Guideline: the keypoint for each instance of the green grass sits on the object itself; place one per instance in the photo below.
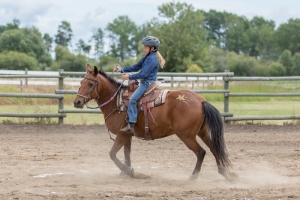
(240, 106)
(34, 109)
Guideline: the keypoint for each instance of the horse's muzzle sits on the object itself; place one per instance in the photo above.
(78, 104)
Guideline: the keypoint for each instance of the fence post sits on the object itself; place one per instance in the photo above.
(60, 101)
(226, 95)
(26, 80)
(172, 80)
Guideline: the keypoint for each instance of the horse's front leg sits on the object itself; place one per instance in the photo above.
(127, 151)
(120, 141)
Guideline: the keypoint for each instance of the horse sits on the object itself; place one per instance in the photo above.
(184, 113)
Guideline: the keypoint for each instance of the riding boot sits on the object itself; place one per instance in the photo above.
(129, 128)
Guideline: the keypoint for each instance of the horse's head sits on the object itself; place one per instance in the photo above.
(88, 87)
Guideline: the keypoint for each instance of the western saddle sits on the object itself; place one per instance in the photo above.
(152, 97)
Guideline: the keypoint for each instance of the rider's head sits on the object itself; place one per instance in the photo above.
(150, 44)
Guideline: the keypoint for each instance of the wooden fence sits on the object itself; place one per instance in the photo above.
(60, 92)
(226, 76)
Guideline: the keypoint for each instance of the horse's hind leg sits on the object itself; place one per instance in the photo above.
(204, 135)
(120, 141)
(193, 145)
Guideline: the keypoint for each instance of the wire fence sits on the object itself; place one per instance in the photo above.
(248, 100)
(50, 85)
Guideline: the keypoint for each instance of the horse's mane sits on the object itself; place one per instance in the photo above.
(111, 80)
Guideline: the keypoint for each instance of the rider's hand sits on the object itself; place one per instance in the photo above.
(117, 68)
(125, 77)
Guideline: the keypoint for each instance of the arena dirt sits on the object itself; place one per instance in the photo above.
(72, 162)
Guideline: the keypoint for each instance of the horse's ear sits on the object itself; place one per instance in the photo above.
(88, 68)
(95, 70)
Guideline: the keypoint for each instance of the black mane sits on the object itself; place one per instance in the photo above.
(111, 80)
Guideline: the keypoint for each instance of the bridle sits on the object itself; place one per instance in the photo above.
(95, 87)
(88, 97)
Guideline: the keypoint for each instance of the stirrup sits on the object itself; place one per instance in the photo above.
(126, 129)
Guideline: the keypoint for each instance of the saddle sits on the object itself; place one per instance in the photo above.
(153, 97)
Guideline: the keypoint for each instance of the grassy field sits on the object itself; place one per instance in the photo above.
(240, 106)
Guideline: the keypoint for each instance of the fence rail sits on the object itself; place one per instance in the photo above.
(227, 93)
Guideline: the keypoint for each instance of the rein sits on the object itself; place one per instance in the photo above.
(95, 87)
(99, 106)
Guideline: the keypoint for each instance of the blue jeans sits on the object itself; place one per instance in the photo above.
(132, 108)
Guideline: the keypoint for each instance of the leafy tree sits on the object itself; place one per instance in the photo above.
(260, 35)
(13, 60)
(83, 47)
(194, 68)
(121, 34)
(219, 59)
(214, 24)
(236, 38)
(243, 65)
(48, 40)
(287, 36)
(26, 40)
(107, 61)
(14, 25)
(296, 65)
(277, 69)
(97, 37)
(68, 61)
(64, 34)
(181, 45)
(286, 61)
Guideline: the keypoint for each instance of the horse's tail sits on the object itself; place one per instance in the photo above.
(215, 127)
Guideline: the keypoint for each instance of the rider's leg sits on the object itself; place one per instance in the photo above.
(132, 106)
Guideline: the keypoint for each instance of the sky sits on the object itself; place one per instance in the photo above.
(88, 15)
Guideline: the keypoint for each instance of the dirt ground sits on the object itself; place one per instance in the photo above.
(72, 162)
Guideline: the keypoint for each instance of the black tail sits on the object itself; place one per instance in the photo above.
(215, 127)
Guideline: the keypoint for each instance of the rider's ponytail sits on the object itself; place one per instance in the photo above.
(160, 59)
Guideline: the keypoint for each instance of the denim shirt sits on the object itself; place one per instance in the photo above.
(148, 68)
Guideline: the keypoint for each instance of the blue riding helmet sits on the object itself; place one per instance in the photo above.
(151, 42)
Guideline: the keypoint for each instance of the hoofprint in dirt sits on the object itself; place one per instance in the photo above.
(72, 162)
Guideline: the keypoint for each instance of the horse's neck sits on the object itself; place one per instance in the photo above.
(107, 92)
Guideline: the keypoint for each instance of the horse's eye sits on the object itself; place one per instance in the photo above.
(91, 84)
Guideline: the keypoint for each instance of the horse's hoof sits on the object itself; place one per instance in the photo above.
(130, 172)
(234, 176)
(122, 174)
(193, 177)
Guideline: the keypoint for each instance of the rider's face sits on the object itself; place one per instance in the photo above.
(147, 49)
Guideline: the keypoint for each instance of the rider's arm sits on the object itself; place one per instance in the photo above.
(133, 68)
(149, 64)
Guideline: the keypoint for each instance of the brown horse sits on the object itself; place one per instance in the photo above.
(184, 114)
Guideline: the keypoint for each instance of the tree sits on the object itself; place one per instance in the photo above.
(107, 61)
(260, 35)
(214, 24)
(64, 34)
(194, 68)
(83, 47)
(68, 61)
(286, 61)
(97, 37)
(26, 40)
(296, 65)
(14, 25)
(48, 40)
(277, 69)
(287, 36)
(13, 60)
(236, 38)
(121, 34)
(181, 45)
